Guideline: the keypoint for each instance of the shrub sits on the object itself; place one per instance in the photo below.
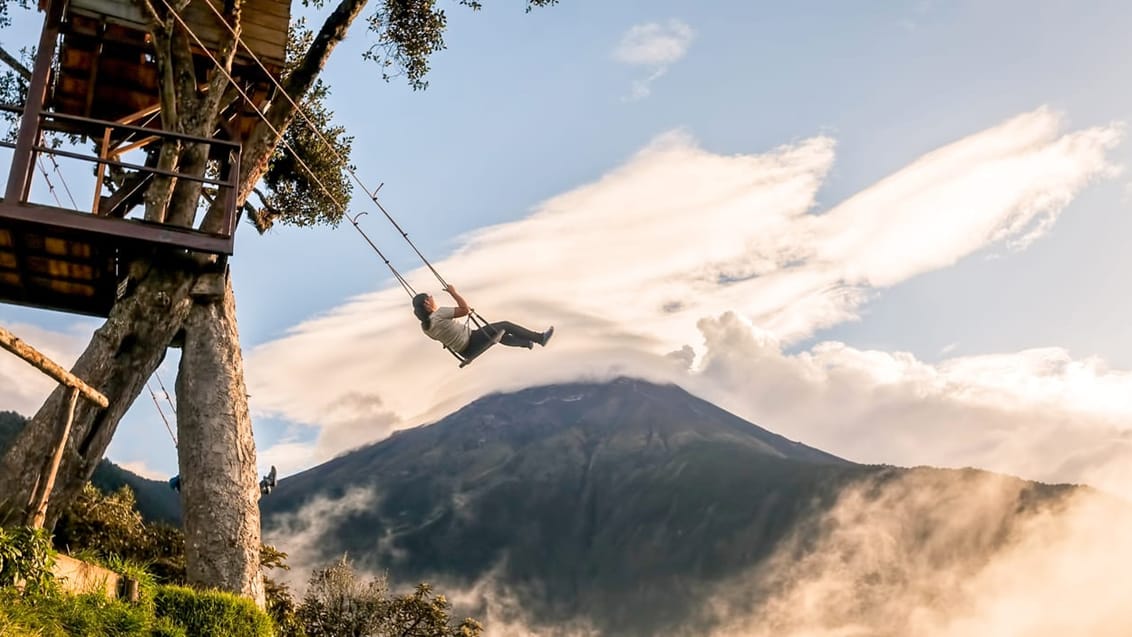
(26, 559)
(164, 627)
(212, 613)
(56, 614)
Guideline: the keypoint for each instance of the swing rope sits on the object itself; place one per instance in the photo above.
(279, 136)
(342, 161)
(300, 111)
(161, 412)
(63, 181)
(46, 178)
(168, 398)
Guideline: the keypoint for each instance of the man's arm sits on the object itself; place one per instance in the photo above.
(462, 307)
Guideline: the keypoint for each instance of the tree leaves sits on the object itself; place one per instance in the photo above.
(409, 31)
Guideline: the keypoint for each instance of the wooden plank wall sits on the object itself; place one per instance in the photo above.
(265, 23)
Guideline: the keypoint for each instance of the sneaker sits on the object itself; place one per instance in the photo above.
(546, 336)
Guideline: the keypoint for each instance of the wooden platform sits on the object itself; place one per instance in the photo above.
(56, 270)
(95, 76)
(69, 261)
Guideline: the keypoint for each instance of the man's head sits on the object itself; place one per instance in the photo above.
(423, 305)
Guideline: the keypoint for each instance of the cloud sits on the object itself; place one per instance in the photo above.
(142, 469)
(655, 46)
(642, 88)
(938, 555)
(288, 456)
(301, 534)
(23, 388)
(628, 265)
(1039, 413)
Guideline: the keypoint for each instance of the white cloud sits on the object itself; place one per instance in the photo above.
(628, 265)
(656, 46)
(642, 88)
(287, 457)
(142, 469)
(301, 534)
(1038, 413)
(943, 556)
(23, 388)
(654, 43)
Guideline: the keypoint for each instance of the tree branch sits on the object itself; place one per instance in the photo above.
(301, 79)
(219, 80)
(11, 61)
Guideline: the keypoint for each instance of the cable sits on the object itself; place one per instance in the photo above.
(153, 395)
(168, 399)
(404, 284)
(63, 181)
(46, 178)
(314, 128)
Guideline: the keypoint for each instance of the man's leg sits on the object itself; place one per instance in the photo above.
(517, 335)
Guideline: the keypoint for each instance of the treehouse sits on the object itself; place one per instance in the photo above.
(94, 79)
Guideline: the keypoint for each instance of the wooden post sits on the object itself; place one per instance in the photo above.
(47, 478)
(37, 507)
(34, 358)
(23, 156)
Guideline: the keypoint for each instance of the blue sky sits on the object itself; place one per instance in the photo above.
(527, 109)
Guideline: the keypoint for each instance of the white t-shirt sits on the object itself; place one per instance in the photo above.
(454, 334)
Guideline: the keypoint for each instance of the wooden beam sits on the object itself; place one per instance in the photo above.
(46, 482)
(103, 153)
(34, 358)
(23, 159)
(50, 218)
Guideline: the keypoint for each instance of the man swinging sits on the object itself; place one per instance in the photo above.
(440, 325)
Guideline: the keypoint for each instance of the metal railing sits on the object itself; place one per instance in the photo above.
(228, 184)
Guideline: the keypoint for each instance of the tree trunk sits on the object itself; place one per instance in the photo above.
(217, 453)
(219, 493)
(121, 356)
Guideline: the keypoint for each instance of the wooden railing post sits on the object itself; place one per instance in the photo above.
(37, 506)
(37, 360)
(47, 476)
(23, 159)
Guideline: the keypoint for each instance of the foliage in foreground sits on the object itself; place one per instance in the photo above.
(212, 612)
(340, 602)
(106, 529)
(26, 559)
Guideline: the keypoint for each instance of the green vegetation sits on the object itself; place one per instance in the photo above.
(26, 559)
(104, 526)
(56, 614)
(339, 602)
(212, 612)
(106, 529)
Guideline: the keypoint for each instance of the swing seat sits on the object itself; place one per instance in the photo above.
(472, 354)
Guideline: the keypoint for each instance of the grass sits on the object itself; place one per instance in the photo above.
(161, 611)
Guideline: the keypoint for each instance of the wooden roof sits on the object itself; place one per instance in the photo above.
(105, 59)
(264, 23)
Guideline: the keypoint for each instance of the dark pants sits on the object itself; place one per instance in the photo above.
(513, 336)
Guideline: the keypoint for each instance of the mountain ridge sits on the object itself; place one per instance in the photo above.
(622, 505)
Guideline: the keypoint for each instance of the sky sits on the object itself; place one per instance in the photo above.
(891, 230)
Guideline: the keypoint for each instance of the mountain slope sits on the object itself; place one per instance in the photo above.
(607, 500)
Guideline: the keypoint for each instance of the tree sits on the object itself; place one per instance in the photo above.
(187, 299)
(339, 602)
(110, 525)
